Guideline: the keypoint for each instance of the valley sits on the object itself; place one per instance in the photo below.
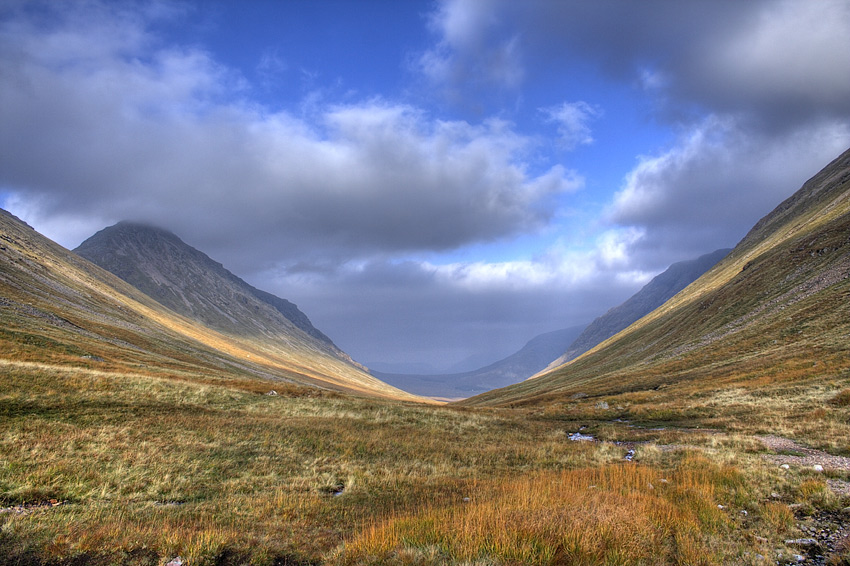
(713, 430)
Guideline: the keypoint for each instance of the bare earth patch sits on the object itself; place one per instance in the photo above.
(801, 455)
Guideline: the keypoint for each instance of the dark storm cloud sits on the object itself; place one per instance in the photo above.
(780, 62)
(758, 92)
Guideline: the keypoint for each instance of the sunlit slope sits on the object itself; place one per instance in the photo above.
(777, 308)
(59, 309)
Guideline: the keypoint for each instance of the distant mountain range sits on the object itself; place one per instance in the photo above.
(776, 308)
(538, 354)
(59, 310)
(530, 359)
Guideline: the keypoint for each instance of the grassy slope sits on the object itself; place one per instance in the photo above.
(774, 313)
(60, 309)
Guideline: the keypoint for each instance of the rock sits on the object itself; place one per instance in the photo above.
(272, 393)
(774, 495)
(817, 468)
(802, 542)
(785, 466)
(177, 561)
(602, 405)
(846, 511)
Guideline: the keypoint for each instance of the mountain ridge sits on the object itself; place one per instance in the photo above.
(661, 288)
(778, 300)
(189, 282)
(61, 311)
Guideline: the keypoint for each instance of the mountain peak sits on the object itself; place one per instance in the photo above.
(186, 280)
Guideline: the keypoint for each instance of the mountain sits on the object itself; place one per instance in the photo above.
(650, 297)
(60, 312)
(775, 310)
(187, 281)
(530, 359)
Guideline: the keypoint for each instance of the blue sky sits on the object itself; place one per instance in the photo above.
(428, 181)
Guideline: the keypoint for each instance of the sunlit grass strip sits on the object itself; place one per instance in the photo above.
(617, 514)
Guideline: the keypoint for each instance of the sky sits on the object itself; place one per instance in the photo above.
(433, 183)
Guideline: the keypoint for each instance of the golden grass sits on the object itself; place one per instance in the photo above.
(154, 467)
(614, 514)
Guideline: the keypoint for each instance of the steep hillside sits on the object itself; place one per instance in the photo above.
(59, 310)
(650, 297)
(530, 359)
(775, 310)
(188, 282)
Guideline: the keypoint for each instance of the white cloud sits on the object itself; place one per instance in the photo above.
(125, 128)
(707, 190)
(573, 122)
(472, 53)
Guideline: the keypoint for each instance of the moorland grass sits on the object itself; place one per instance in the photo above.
(151, 467)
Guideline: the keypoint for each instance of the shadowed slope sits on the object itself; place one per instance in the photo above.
(58, 309)
(776, 308)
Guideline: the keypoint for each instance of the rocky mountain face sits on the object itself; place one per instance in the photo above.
(530, 359)
(190, 283)
(777, 307)
(650, 297)
(61, 313)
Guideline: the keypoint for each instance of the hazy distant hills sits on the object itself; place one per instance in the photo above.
(539, 352)
(59, 312)
(776, 308)
(532, 358)
(651, 296)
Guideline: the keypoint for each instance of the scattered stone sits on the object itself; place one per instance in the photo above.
(630, 456)
(176, 561)
(802, 542)
(846, 511)
(26, 508)
(579, 396)
(774, 495)
(602, 405)
(466, 500)
(579, 437)
(785, 467)
(272, 393)
(817, 468)
(170, 503)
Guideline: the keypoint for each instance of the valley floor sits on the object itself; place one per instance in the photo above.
(99, 468)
